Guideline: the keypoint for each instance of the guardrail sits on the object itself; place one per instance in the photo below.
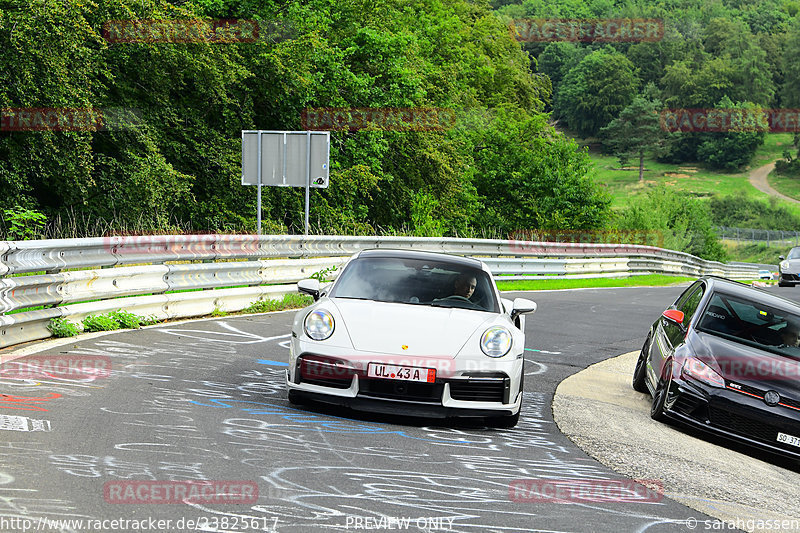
(74, 278)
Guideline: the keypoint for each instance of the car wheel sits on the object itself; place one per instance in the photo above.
(785, 284)
(640, 373)
(660, 396)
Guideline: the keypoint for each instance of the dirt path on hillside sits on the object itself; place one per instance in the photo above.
(758, 178)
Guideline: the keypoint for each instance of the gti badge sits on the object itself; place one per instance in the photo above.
(772, 398)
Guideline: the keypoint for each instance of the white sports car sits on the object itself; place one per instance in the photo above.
(407, 332)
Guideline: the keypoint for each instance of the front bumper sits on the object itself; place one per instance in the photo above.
(463, 392)
(736, 415)
(787, 277)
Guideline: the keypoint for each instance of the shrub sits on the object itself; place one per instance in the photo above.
(739, 210)
(23, 224)
(125, 319)
(99, 323)
(217, 312)
(289, 301)
(684, 222)
(61, 327)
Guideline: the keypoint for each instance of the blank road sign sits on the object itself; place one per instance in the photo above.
(284, 158)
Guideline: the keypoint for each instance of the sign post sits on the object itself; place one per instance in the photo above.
(286, 159)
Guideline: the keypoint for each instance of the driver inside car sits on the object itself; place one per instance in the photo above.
(790, 334)
(465, 285)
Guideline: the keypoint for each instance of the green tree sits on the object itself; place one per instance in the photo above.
(734, 148)
(596, 90)
(558, 58)
(637, 132)
(529, 176)
(790, 96)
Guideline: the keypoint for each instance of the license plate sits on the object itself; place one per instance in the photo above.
(789, 439)
(403, 373)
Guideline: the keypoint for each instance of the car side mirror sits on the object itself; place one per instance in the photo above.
(522, 306)
(781, 257)
(309, 286)
(673, 315)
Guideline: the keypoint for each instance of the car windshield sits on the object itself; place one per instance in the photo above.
(794, 253)
(417, 282)
(753, 323)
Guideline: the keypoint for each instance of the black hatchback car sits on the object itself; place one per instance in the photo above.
(725, 358)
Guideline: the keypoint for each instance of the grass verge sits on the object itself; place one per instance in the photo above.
(693, 178)
(756, 252)
(788, 185)
(633, 281)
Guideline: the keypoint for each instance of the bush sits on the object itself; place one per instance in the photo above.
(148, 320)
(23, 224)
(125, 319)
(684, 221)
(732, 149)
(99, 323)
(290, 301)
(61, 327)
(738, 210)
(788, 166)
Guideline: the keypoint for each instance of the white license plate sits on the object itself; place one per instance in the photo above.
(404, 373)
(789, 439)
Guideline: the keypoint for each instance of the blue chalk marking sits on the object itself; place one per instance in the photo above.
(271, 363)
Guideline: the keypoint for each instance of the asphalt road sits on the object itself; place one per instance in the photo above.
(205, 400)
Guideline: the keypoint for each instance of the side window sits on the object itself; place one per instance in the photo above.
(690, 303)
(687, 303)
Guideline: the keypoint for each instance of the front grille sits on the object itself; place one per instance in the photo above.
(317, 370)
(479, 389)
(412, 391)
(691, 406)
(760, 393)
(743, 425)
(790, 402)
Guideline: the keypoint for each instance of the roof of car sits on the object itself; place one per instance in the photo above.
(748, 291)
(424, 256)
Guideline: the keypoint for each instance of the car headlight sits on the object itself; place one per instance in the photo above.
(319, 324)
(784, 265)
(696, 369)
(496, 341)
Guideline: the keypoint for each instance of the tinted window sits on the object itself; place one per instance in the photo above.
(690, 303)
(753, 323)
(418, 282)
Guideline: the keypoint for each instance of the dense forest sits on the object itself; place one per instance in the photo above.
(505, 164)
(726, 55)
